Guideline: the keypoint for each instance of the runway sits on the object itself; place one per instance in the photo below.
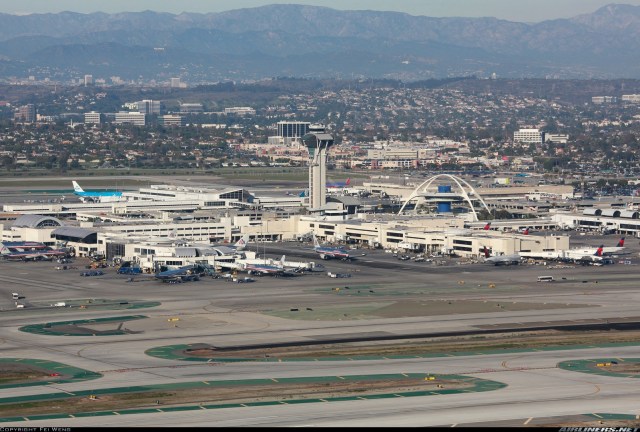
(536, 389)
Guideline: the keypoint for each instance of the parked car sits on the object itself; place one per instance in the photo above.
(92, 273)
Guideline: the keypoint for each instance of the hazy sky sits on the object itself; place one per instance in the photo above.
(513, 10)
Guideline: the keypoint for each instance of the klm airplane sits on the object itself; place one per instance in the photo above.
(96, 196)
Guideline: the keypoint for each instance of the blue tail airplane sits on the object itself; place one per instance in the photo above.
(191, 272)
(96, 196)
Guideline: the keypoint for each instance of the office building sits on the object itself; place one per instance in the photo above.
(134, 118)
(631, 98)
(92, 118)
(26, 114)
(171, 120)
(603, 99)
(191, 108)
(88, 80)
(241, 111)
(148, 106)
(293, 129)
(529, 136)
(556, 138)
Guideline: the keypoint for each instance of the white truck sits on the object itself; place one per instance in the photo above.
(338, 275)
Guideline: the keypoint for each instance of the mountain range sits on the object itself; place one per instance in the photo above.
(317, 42)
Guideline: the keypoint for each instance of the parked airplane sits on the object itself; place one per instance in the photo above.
(242, 243)
(583, 256)
(617, 249)
(297, 266)
(592, 259)
(30, 251)
(96, 196)
(497, 260)
(606, 251)
(327, 252)
(191, 272)
(339, 185)
(264, 269)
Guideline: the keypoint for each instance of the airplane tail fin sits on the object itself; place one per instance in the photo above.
(242, 243)
(621, 242)
(282, 260)
(76, 187)
(348, 182)
(316, 244)
(486, 252)
(487, 227)
(526, 231)
(599, 250)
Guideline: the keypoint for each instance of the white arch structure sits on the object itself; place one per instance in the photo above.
(458, 181)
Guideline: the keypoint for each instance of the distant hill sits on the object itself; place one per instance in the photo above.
(310, 41)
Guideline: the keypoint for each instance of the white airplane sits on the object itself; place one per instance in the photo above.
(238, 246)
(295, 266)
(586, 255)
(262, 268)
(327, 252)
(618, 249)
(242, 243)
(497, 260)
(595, 257)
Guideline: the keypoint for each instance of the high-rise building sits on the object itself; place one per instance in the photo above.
(148, 106)
(175, 82)
(88, 80)
(92, 118)
(26, 114)
(134, 118)
(293, 129)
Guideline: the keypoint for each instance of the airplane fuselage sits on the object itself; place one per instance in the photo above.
(263, 269)
(99, 196)
(327, 253)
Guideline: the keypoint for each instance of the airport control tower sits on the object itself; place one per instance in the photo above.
(318, 143)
